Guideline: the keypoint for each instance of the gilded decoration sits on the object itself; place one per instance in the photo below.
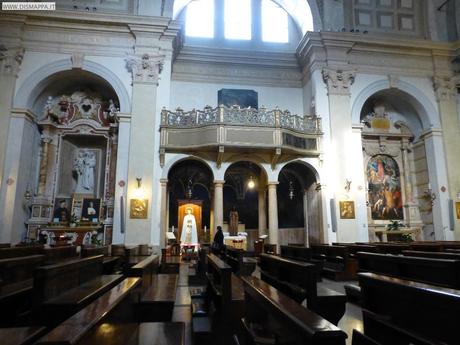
(139, 208)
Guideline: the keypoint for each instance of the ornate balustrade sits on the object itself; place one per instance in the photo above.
(240, 116)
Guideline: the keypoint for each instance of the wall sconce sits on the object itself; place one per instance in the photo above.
(291, 190)
(189, 191)
(139, 182)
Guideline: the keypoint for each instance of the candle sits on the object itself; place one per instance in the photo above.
(205, 229)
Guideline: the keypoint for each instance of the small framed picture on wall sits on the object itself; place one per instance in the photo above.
(347, 209)
(91, 210)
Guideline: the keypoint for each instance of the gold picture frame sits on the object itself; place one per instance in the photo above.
(347, 209)
(457, 209)
(138, 208)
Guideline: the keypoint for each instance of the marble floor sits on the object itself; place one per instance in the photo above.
(351, 320)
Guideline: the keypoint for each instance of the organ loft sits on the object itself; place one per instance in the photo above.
(229, 172)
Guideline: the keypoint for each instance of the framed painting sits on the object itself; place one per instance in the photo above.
(457, 209)
(91, 210)
(347, 209)
(138, 208)
(61, 211)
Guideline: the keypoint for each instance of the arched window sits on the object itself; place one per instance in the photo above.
(237, 14)
(199, 20)
(275, 24)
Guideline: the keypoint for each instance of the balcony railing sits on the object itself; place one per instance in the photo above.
(240, 116)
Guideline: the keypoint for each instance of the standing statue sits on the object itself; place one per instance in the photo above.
(189, 233)
(233, 222)
(84, 165)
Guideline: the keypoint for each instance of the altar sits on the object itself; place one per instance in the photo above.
(77, 235)
(394, 235)
(240, 241)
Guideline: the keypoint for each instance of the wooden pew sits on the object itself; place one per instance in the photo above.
(270, 248)
(241, 264)
(109, 263)
(281, 318)
(5, 245)
(145, 267)
(14, 252)
(21, 335)
(391, 248)
(58, 254)
(441, 272)
(60, 290)
(79, 325)
(409, 309)
(434, 255)
(427, 246)
(338, 265)
(16, 285)
(298, 280)
(360, 339)
(300, 253)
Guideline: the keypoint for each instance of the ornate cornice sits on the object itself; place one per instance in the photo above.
(338, 81)
(10, 61)
(445, 88)
(145, 68)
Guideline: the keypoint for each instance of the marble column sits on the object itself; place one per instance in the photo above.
(10, 62)
(262, 210)
(218, 205)
(305, 216)
(164, 211)
(447, 98)
(145, 69)
(272, 212)
(46, 140)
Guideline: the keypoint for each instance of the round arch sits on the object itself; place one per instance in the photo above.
(248, 158)
(170, 164)
(426, 111)
(303, 12)
(35, 83)
(313, 169)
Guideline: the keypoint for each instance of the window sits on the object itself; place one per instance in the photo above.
(274, 23)
(237, 19)
(200, 19)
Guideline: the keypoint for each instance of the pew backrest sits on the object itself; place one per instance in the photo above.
(12, 252)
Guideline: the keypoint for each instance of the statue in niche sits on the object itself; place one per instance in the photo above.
(233, 222)
(189, 233)
(84, 165)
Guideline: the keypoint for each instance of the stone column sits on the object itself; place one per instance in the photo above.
(345, 153)
(262, 210)
(10, 62)
(46, 140)
(272, 212)
(218, 205)
(446, 96)
(305, 216)
(145, 69)
(164, 211)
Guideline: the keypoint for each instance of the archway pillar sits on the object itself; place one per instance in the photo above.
(437, 171)
(163, 211)
(262, 209)
(272, 212)
(446, 95)
(218, 206)
(305, 217)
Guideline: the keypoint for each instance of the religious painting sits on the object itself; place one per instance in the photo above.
(61, 212)
(242, 98)
(91, 210)
(384, 188)
(189, 222)
(138, 208)
(457, 209)
(347, 209)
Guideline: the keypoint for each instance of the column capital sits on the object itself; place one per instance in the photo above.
(45, 138)
(445, 88)
(164, 181)
(338, 81)
(145, 68)
(10, 61)
(219, 182)
(272, 183)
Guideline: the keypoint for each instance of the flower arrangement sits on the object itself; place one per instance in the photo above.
(394, 225)
(94, 239)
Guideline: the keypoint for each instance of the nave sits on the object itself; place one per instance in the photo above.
(344, 293)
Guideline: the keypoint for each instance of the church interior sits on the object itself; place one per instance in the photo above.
(230, 172)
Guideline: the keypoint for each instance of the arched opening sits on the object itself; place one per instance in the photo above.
(299, 205)
(396, 163)
(190, 187)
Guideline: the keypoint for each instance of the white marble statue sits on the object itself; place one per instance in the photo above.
(189, 233)
(84, 167)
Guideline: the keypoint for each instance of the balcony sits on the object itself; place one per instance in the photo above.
(234, 129)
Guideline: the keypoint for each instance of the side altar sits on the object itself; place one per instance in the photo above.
(75, 187)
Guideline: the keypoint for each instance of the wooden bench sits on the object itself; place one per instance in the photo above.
(16, 285)
(282, 319)
(58, 254)
(76, 327)
(14, 252)
(238, 259)
(60, 290)
(434, 255)
(300, 253)
(109, 263)
(441, 272)
(298, 280)
(270, 248)
(21, 335)
(5, 245)
(409, 310)
(391, 248)
(338, 265)
(157, 302)
(144, 267)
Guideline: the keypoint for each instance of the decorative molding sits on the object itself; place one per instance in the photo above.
(372, 149)
(145, 68)
(77, 59)
(10, 61)
(338, 81)
(444, 88)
